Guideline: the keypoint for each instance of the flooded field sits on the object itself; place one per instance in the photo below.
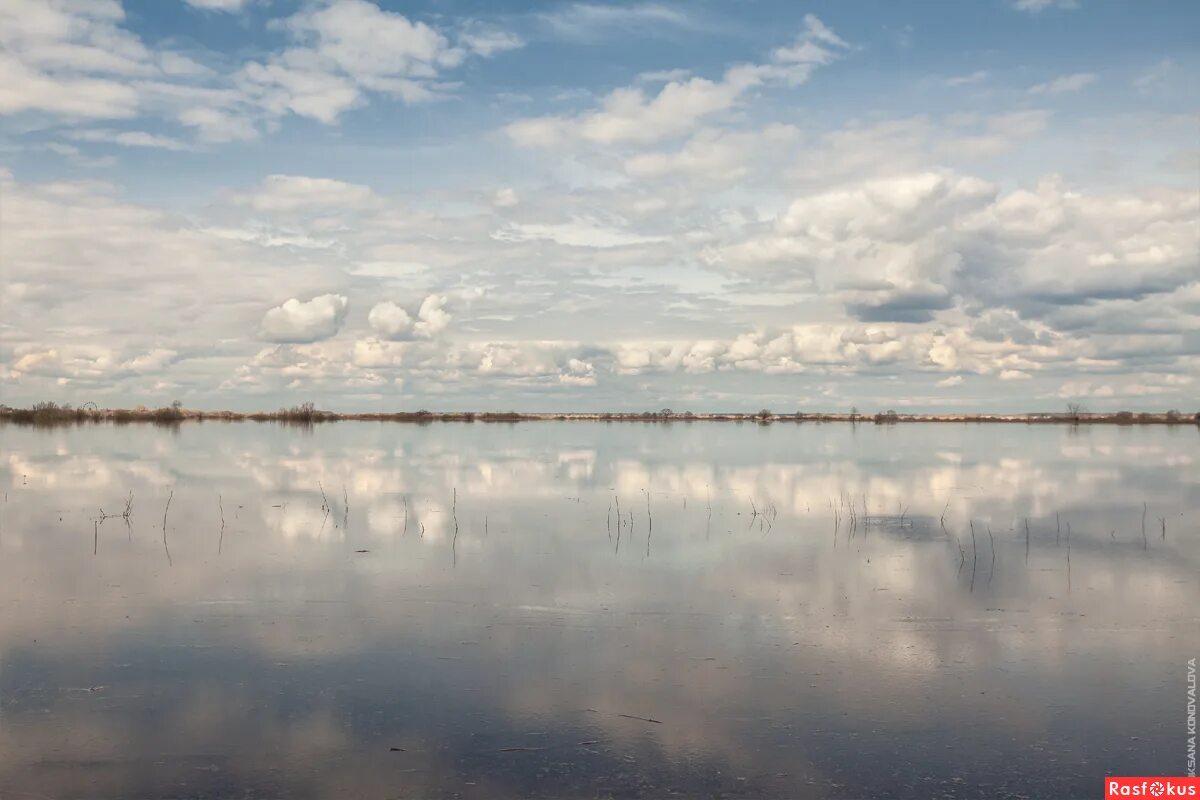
(590, 610)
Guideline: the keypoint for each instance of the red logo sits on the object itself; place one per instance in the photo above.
(1151, 787)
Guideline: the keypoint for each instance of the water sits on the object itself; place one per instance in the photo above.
(546, 651)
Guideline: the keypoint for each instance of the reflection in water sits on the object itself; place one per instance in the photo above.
(571, 609)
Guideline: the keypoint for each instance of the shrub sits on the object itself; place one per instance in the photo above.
(168, 414)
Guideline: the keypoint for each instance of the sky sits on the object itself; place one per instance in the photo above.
(468, 205)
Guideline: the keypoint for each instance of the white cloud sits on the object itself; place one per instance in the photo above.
(309, 321)
(979, 76)
(129, 139)
(578, 372)
(73, 58)
(902, 248)
(23, 88)
(488, 41)
(1000, 132)
(588, 21)
(664, 75)
(1064, 83)
(714, 154)
(344, 49)
(218, 5)
(576, 233)
(432, 318)
(1038, 6)
(505, 198)
(390, 321)
(629, 115)
(289, 193)
(151, 362)
(218, 126)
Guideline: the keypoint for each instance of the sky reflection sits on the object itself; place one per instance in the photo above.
(791, 653)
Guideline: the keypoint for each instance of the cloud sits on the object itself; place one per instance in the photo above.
(344, 49)
(23, 88)
(505, 198)
(218, 5)
(129, 139)
(432, 317)
(390, 321)
(310, 321)
(487, 41)
(663, 75)
(290, 193)
(630, 115)
(591, 21)
(1000, 132)
(979, 76)
(1038, 6)
(578, 372)
(714, 154)
(393, 323)
(576, 233)
(903, 248)
(151, 362)
(75, 60)
(1064, 83)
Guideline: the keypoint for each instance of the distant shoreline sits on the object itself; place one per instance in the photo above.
(51, 414)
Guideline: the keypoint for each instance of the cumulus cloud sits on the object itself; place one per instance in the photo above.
(309, 321)
(692, 238)
(432, 317)
(901, 248)
(577, 372)
(390, 321)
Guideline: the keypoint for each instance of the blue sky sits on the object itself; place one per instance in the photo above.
(250, 203)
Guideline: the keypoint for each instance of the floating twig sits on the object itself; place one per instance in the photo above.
(167, 508)
(642, 719)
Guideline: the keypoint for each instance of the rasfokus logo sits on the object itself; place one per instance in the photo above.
(1151, 787)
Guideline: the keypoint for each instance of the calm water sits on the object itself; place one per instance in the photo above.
(548, 651)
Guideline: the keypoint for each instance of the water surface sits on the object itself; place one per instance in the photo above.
(454, 610)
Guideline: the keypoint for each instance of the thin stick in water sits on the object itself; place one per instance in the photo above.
(166, 508)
